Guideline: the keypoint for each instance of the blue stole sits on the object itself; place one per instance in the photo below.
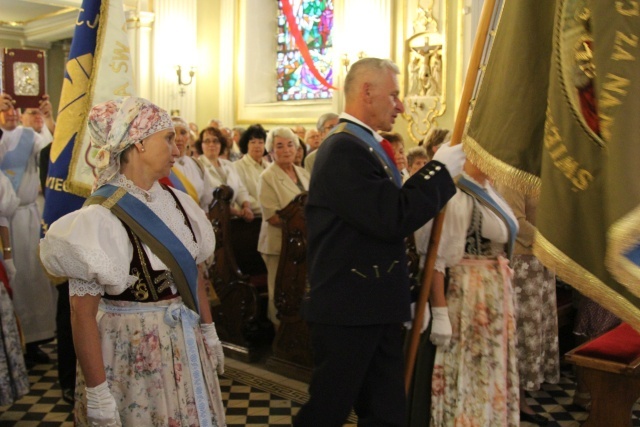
(479, 193)
(155, 234)
(365, 136)
(15, 162)
(175, 181)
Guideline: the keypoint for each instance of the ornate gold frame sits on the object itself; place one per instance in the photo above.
(425, 66)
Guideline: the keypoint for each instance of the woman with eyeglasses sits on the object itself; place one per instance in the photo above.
(221, 171)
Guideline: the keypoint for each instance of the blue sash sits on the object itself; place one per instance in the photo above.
(15, 162)
(175, 181)
(156, 235)
(477, 192)
(365, 136)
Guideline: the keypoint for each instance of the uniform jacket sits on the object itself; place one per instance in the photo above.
(357, 219)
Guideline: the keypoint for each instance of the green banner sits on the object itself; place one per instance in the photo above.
(555, 114)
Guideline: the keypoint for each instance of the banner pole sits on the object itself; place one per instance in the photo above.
(479, 44)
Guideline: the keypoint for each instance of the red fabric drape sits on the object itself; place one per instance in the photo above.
(302, 46)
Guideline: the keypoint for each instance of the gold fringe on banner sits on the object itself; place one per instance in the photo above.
(498, 170)
(585, 282)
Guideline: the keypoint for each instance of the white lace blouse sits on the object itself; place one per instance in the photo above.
(91, 247)
(458, 220)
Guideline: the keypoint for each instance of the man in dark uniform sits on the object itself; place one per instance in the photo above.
(358, 214)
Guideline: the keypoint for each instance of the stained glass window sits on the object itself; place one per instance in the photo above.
(305, 67)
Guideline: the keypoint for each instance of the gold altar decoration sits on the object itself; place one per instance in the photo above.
(425, 67)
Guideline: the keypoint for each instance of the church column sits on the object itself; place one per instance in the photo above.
(226, 80)
(174, 44)
(364, 26)
(139, 25)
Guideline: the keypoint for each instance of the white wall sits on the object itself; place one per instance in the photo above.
(174, 42)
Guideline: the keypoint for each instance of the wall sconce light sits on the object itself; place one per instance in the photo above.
(346, 62)
(192, 72)
(181, 82)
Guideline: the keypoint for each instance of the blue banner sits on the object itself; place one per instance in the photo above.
(98, 69)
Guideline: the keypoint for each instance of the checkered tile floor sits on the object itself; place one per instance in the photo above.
(555, 402)
(252, 400)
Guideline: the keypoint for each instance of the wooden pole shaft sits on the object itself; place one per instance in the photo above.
(436, 230)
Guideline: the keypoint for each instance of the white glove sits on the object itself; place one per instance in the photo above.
(214, 345)
(441, 326)
(452, 157)
(101, 407)
(11, 269)
(425, 319)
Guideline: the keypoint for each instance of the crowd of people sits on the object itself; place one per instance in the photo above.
(134, 311)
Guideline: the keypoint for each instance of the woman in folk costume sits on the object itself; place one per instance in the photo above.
(475, 375)
(146, 345)
(536, 307)
(14, 382)
(33, 297)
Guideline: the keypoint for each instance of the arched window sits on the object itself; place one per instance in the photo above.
(304, 50)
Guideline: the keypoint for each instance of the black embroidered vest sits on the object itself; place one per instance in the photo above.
(151, 285)
(475, 244)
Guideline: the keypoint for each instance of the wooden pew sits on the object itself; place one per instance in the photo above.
(237, 316)
(291, 345)
(610, 366)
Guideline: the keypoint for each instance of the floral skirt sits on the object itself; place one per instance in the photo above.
(148, 368)
(537, 322)
(14, 382)
(475, 376)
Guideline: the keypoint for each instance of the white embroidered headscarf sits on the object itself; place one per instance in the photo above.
(115, 125)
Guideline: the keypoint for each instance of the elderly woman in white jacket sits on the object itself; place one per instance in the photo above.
(221, 171)
(253, 162)
(279, 184)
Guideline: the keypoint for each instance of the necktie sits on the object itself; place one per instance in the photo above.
(386, 146)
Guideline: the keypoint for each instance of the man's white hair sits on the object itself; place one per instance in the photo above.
(365, 66)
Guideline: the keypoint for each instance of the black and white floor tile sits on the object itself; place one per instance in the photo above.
(254, 397)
